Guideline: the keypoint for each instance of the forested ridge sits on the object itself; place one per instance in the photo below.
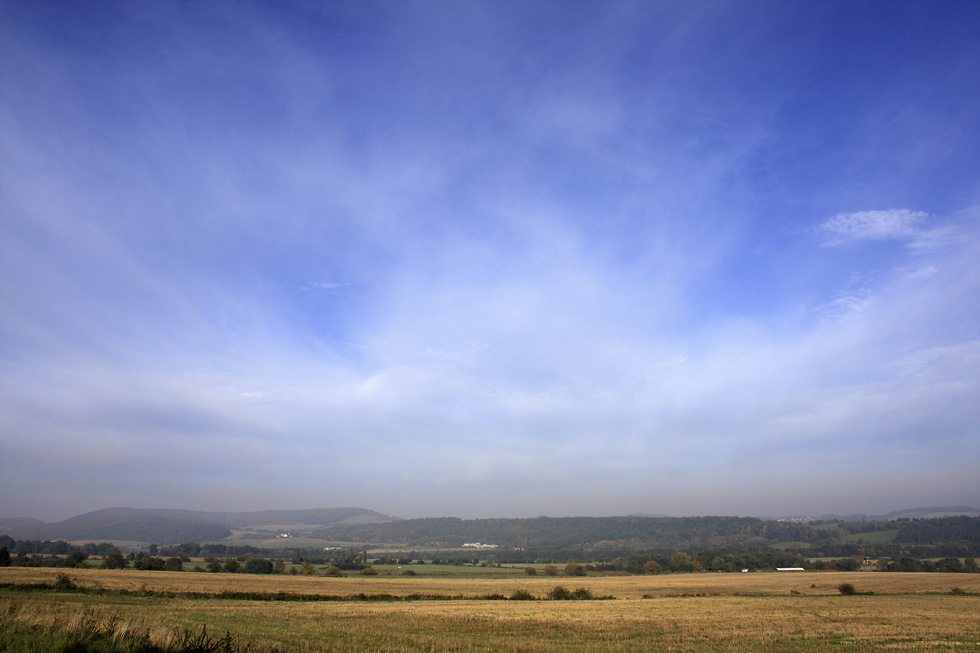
(663, 533)
(591, 537)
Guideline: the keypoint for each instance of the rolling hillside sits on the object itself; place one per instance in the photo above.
(960, 535)
(171, 526)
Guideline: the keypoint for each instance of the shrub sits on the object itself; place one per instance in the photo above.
(574, 569)
(530, 571)
(550, 570)
(332, 571)
(559, 593)
(65, 582)
(846, 589)
(368, 571)
(522, 595)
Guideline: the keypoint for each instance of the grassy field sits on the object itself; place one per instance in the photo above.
(683, 612)
(874, 537)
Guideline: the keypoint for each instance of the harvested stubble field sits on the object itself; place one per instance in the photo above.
(684, 612)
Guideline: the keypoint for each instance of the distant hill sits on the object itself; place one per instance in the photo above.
(932, 513)
(172, 526)
(20, 525)
(908, 513)
(311, 517)
(129, 524)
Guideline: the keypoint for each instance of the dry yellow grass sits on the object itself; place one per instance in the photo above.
(622, 587)
(692, 612)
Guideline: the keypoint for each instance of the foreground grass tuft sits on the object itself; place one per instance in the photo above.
(88, 631)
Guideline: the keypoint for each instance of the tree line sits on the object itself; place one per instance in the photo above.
(606, 544)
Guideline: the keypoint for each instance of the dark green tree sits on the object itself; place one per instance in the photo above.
(952, 565)
(114, 561)
(651, 567)
(681, 562)
(258, 566)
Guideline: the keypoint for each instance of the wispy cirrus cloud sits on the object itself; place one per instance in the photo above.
(324, 285)
(892, 224)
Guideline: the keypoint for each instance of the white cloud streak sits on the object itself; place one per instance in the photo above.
(900, 224)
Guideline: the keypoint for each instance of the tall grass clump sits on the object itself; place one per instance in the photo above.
(32, 629)
(65, 582)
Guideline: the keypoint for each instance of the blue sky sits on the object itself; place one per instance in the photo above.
(490, 258)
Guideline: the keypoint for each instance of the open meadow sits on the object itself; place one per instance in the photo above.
(796, 611)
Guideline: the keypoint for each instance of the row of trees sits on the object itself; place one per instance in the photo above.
(954, 565)
(224, 558)
(56, 547)
(72, 560)
(956, 549)
(680, 562)
(709, 560)
(232, 565)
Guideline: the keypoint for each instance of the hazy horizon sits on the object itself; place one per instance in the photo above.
(499, 259)
(817, 515)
